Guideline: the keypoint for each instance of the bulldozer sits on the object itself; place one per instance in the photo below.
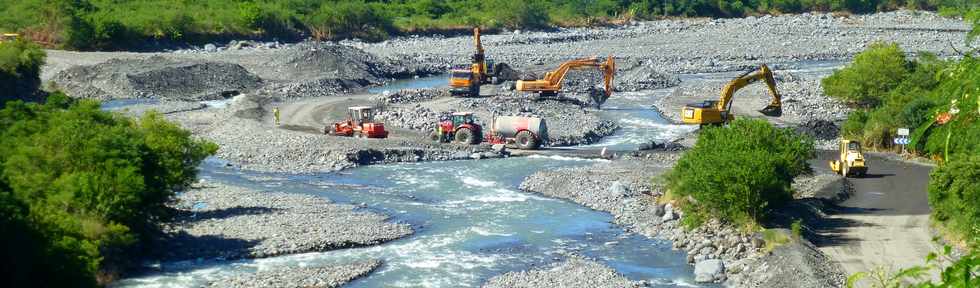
(551, 84)
(851, 162)
(359, 123)
(466, 80)
(717, 112)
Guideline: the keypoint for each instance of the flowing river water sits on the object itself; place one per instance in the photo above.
(471, 221)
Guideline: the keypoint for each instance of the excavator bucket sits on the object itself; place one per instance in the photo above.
(772, 111)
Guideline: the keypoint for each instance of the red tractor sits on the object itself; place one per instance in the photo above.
(459, 127)
(360, 123)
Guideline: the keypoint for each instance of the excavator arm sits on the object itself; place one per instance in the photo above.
(552, 81)
(715, 112)
(764, 73)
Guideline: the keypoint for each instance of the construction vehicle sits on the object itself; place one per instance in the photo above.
(719, 111)
(525, 132)
(459, 127)
(551, 84)
(359, 123)
(9, 37)
(466, 80)
(851, 162)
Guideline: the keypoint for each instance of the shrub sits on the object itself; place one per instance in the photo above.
(954, 194)
(737, 173)
(20, 70)
(515, 13)
(85, 185)
(350, 19)
(867, 80)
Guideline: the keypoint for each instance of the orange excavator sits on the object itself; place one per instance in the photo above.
(551, 84)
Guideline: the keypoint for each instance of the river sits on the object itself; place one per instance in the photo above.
(471, 222)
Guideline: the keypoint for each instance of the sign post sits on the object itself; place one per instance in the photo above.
(903, 138)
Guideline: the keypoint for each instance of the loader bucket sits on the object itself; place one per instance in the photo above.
(772, 111)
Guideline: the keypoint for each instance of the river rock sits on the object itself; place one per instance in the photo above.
(709, 271)
(668, 213)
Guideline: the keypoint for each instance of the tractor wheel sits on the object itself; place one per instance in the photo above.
(328, 130)
(525, 140)
(465, 136)
(434, 136)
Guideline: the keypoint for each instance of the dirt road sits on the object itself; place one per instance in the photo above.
(884, 223)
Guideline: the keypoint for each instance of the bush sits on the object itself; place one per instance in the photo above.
(515, 14)
(867, 80)
(954, 194)
(350, 19)
(20, 70)
(83, 185)
(737, 173)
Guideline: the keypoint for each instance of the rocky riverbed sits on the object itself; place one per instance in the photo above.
(628, 189)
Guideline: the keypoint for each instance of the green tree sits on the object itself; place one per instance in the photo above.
(20, 70)
(954, 194)
(736, 173)
(867, 80)
(84, 185)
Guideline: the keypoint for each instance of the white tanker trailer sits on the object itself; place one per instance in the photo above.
(524, 132)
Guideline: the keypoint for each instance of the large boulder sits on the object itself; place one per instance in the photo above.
(709, 271)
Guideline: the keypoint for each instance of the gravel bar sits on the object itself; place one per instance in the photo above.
(221, 221)
(301, 277)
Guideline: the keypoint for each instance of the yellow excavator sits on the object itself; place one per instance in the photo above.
(851, 161)
(719, 111)
(551, 84)
(466, 81)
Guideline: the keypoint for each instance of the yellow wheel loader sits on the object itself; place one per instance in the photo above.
(851, 162)
(719, 111)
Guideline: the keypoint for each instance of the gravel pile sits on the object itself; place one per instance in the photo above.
(413, 95)
(804, 101)
(301, 277)
(819, 129)
(574, 272)
(809, 186)
(157, 77)
(215, 220)
(644, 76)
(795, 264)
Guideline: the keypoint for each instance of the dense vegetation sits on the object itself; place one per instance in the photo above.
(99, 24)
(20, 69)
(736, 173)
(939, 100)
(80, 186)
